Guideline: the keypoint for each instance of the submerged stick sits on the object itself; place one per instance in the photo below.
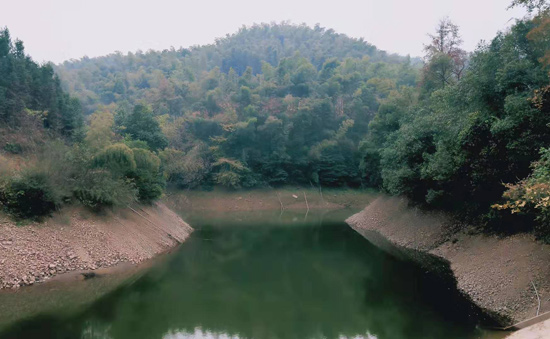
(537, 293)
(282, 206)
(307, 205)
(280, 202)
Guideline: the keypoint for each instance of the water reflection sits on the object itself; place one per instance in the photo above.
(198, 333)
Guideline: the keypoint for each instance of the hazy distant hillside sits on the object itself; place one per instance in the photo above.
(269, 104)
(115, 77)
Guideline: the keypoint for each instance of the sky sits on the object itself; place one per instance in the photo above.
(59, 30)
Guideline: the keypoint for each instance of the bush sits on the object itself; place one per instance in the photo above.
(29, 196)
(117, 158)
(147, 177)
(6, 170)
(186, 170)
(231, 173)
(146, 160)
(98, 188)
(139, 165)
(116, 176)
(13, 148)
(532, 195)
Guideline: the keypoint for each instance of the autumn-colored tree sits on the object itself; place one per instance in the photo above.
(100, 134)
(445, 59)
(532, 194)
(540, 36)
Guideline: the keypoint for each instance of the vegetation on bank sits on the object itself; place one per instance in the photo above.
(455, 141)
(269, 105)
(208, 116)
(282, 104)
(50, 159)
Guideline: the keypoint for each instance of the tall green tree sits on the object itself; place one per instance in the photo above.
(140, 124)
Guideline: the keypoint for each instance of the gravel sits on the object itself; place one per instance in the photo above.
(75, 239)
(497, 273)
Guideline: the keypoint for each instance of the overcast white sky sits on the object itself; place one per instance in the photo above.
(57, 30)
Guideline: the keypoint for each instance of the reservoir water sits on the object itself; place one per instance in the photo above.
(260, 275)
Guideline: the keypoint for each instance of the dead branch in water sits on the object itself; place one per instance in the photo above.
(280, 202)
(537, 293)
(282, 206)
(307, 205)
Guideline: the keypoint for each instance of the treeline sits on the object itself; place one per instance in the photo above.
(283, 104)
(465, 132)
(50, 160)
(177, 117)
(448, 134)
(27, 86)
(166, 79)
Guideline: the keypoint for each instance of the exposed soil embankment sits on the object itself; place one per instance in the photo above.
(497, 273)
(76, 240)
(288, 198)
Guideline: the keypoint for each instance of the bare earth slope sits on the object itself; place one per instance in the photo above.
(498, 273)
(538, 331)
(77, 240)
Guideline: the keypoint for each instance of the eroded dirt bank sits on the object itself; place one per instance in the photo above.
(288, 198)
(497, 273)
(76, 240)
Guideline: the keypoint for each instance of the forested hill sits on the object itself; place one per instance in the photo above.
(271, 104)
(284, 104)
(280, 104)
(117, 77)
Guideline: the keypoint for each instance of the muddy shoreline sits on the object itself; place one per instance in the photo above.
(496, 273)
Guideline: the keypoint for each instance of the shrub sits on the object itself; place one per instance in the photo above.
(146, 160)
(13, 148)
(29, 196)
(228, 179)
(232, 173)
(136, 143)
(139, 165)
(186, 170)
(532, 195)
(117, 158)
(6, 170)
(146, 176)
(98, 188)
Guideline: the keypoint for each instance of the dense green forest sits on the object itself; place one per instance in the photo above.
(48, 158)
(277, 104)
(269, 105)
(34, 89)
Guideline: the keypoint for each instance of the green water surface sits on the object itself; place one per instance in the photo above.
(263, 275)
